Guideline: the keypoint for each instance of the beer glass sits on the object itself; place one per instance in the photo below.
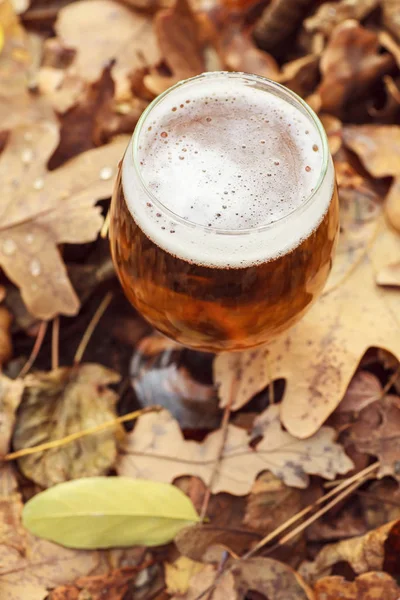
(225, 211)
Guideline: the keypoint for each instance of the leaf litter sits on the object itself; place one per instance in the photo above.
(68, 94)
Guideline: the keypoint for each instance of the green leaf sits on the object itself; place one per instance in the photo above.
(102, 512)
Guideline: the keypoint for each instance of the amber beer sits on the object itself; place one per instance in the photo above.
(225, 213)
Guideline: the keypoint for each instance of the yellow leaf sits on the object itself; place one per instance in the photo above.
(179, 573)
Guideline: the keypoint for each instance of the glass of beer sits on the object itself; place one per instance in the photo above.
(225, 211)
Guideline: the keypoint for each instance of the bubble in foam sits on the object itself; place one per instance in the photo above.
(235, 148)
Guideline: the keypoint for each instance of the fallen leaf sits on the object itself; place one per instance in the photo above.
(389, 275)
(380, 503)
(96, 42)
(363, 389)
(10, 397)
(271, 578)
(195, 541)
(61, 402)
(390, 45)
(17, 104)
(333, 129)
(301, 75)
(319, 355)
(113, 586)
(350, 65)
(390, 9)
(179, 40)
(41, 209)
(370, 585)
(389, 112)
(156, 450)
(363, 553)
(241, 54)
(105, 512)
(278, 21)
(377, 146)
(376, 432)
(270, 503)
(205, 579)
(29, 567)
(330, 14)
(179, 573)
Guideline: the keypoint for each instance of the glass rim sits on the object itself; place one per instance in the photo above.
(272, 85)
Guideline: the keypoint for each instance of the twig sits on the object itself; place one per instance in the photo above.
(305, 511)
(55, 343)
(92, 326)
(35, 350)
(80, 434)
(214, 474)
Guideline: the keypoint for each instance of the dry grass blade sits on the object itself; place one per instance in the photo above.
(346, 484)
(55, 339)
(91, 327)
(80, 434)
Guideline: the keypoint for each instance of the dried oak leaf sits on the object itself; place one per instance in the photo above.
(378, 147)
(107, 31)
(59, 403)
(376, 432)
(364, 553)
(266, 576)
(41, 209)
(30, 567)
(301, 75)
(389, 275)
(350, 65)
(17, 104)
(319, 355)
(374, 585)
(363, 389)
(391, 16)
(330, 14)
(156, 450)
(195, 541)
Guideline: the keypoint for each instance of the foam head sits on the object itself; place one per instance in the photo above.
(223, 157)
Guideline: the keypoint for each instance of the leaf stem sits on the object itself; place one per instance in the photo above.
(36, 349)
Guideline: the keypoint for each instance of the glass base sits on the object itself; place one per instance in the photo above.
(179, 379)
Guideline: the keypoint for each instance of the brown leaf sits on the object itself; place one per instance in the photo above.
(61, 402)
(17, 104)
(380, 502)
(319, 355)
(178, 37)
(390, 111)
(301, 75)
(376, 432)
(271, 578)
(363, 553)
(200, 583)
(330, 14)
(369, 586)
(30, 567)
(363, 389)
(195, 541)
(5, 338)
(270, 503)
(96, 41)
(241, 54)
(378, 146)
(350, 65)
(41, 209)
(10, 397)
(156, 450)
(112, 586)
(391, 20)
(333, 129)
(389, 275)
(390, 45)
(278, 21)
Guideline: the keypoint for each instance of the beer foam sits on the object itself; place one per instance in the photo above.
(230, 168)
